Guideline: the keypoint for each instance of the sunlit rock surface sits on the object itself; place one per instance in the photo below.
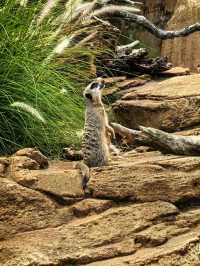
(143, 209)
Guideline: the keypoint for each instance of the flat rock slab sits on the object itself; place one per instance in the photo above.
(176, 71)
(148, 177)
(178, 251)
(170, 105)
(65, 183)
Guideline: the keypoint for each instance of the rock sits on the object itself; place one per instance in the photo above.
(91, 206)
(110, 91)
(126, 84)
(101, 237)
(189, 132)
(148, 177)
(141, 149)
(63, 183)
(153, 219)
(183, 51)
(18, 163)
(176, 71)
(22, 209)
(60, 179)
(159, 234)
(35, 155)
(4, 163)
(178, 251)
(170, 105)
(111, 80)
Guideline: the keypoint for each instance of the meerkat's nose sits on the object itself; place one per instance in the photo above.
(101, 82)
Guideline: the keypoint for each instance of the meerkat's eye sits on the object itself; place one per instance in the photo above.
(88, 96)
(94, 85)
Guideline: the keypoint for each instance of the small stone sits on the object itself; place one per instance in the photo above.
(34, 154)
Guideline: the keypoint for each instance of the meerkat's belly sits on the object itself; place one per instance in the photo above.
(95, 146)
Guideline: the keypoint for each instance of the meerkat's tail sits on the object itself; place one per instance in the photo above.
(85, 172)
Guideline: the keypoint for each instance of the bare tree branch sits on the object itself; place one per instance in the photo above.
(126, 48)
(133, 136)
(148, 25)
(159, 33)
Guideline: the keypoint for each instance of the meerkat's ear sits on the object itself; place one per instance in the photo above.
(88, 96)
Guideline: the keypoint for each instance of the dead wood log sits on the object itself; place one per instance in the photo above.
(137, 61)
(132, 136)
(158, 139)
(182, 145)
(151, 66)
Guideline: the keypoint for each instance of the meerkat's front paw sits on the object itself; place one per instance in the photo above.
(111, 131)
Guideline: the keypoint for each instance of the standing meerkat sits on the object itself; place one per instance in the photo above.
(97, 131)
(96, 145)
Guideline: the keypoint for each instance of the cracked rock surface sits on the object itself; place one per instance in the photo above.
(143, 209)
(171, 104)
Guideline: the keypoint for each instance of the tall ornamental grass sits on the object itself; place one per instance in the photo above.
(41, 75)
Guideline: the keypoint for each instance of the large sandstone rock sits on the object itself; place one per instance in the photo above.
(60, 179)
(149, 177)
(111, 238)
(22, 209)
(183, 51)
(63, 183)
(143, 209)
(171, 105)
(105, 236)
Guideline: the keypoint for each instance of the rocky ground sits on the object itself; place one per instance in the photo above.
(142, 209)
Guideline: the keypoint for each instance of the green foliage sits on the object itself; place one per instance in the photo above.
(52, 87)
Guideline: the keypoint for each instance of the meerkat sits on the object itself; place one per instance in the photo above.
(96, 144)
(97, 132)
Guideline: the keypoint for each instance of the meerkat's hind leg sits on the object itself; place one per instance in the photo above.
(85, 172)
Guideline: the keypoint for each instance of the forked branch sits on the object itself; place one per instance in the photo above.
(148, 25)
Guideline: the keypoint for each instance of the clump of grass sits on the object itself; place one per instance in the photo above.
(47, 51)
(40, 100)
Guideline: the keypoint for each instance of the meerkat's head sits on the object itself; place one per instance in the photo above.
(92, 92)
